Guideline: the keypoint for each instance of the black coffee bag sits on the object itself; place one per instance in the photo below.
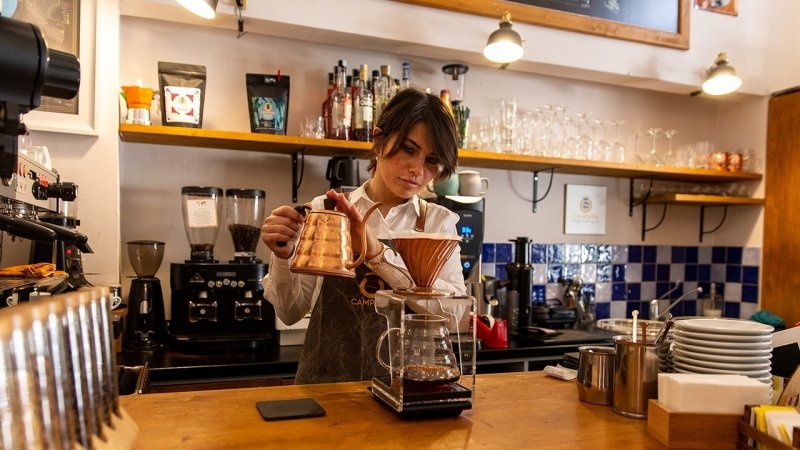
(268, 102)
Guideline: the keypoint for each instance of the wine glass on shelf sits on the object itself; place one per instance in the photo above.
(617, 147)
(602, 147)
(651, 157)
(670, 159)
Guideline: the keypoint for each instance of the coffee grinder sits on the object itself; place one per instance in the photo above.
(428, 373)
(520, 287)
(145, 327)
(218, 306)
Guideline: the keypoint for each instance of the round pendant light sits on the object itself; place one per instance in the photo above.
(721, 78)
(504, 45)
(203, 8)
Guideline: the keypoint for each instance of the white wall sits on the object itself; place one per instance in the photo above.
(758, 42)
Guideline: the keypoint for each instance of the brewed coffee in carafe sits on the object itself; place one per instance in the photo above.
(202, 212)
(245, 213)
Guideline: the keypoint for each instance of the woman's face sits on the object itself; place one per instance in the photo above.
(400, 176)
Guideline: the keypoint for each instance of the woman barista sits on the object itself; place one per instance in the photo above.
(414, 143)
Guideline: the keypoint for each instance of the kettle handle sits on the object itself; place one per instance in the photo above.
(363, 254)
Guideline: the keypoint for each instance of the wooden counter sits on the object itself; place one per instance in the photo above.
(514, 410)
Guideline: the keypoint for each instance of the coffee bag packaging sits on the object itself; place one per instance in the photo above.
(182, 88)
(268, 102)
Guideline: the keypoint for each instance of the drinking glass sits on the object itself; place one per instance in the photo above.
(651, 157)
(509, 122)
(585, 143)
(601, 145)
(618, 148)
(669, 158)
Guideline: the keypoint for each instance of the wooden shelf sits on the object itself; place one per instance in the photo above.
(269, 143)
(704, 200)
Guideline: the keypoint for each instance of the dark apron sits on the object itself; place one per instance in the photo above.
(344, 328)
(343, 331)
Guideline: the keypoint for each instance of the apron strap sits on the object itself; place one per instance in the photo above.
(423, 210)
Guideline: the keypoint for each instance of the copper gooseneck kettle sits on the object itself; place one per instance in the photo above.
(325, 246)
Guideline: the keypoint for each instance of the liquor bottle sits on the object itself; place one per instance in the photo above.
(341, 108)
(378, 95)
(445, 96)
(406, 82)
(362, 117)
(326, 104)
(391, 88)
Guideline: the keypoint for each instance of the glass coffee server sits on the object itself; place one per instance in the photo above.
(429, 353)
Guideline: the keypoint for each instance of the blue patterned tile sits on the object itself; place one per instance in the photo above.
(678, 254)
(635, 253)
(500, 271)
(604, 273)
(731, 310)
(734, 255)
(750, 275)
(618, 274)
(589, 273)
(690, 272)
(603, 292)
(618, 291)
(588, 292)
(571, 271)
(572, 253)
(503, 253)
(539, 273)
(555, 273)
(555, 253)
(662, 272)
(649, 254)
(539, 293)
(487, 253)
(692, 255)
(539, 253)
(588, 253)
(733, 273)
(749, 293)
(602, 311)
(704, 272)
(634, 291)
(603, 254)
(648, 272)
(718, 255)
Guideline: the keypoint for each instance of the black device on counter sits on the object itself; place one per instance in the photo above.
(29, 70)
(220, 305)
(66, 251)
(520, 278)
(296, 408)
(469, 226)
(343, 171)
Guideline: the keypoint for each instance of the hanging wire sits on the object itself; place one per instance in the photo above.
(240, 6)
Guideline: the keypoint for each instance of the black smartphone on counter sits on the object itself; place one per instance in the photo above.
(290, 409)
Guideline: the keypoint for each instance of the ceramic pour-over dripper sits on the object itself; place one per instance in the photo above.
(424, 255)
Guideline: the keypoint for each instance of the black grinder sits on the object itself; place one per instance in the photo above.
(520, 286)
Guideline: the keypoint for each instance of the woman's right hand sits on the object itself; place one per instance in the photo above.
(281, 229)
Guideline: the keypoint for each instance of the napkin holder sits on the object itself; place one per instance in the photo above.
(691, 430)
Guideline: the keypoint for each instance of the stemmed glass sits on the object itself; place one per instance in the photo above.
(651, 157)
(602, 147)
(618, 148)
(670, 159)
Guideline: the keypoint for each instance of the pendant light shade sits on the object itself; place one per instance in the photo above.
(721, 78)
(504, 45)
(206, 9)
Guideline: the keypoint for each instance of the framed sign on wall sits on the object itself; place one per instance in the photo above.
(656, 22)
(584, 209)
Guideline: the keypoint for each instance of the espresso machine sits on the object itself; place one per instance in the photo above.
(429, 346)
(145, 327)
(220, 305)
(469, 227)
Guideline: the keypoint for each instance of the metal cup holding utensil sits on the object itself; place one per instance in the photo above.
(596, 374)
(635, 376)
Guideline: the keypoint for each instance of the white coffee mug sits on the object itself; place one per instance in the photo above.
(471, 183)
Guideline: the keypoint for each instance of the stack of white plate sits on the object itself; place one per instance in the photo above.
(726, 346)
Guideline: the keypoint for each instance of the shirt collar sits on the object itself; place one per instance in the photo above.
(361, 193)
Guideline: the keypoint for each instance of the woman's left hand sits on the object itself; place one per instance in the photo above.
(374, 246)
